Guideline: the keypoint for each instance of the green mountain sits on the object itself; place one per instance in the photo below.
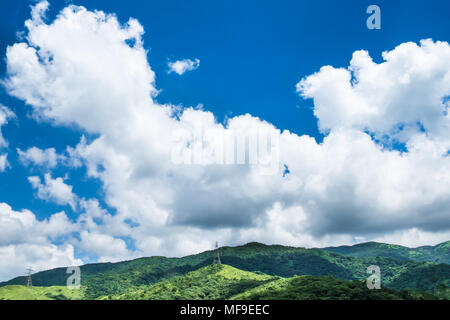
(225, 282)
(222, 282)
(322, 288)
(208, 283)
(438, 254)
(115, 279)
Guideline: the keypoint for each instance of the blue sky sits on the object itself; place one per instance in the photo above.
(252, 55)
(252, 52)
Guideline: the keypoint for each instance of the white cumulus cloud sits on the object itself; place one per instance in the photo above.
(400, 97)
(54, 190)
(39, 157)
(27, 242)
(181, 66)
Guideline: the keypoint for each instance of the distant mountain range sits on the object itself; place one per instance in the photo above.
(258, 271)
(438, 254)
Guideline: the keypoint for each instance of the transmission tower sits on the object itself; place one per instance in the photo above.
(29, 273)
(217, 254)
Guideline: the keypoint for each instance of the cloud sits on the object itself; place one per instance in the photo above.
(53, 190)
(49, 158)
(38, 257)
(414, 237)
(400, 97)
(46, 158)
(5, 115)
(181, 66)
(104, 246)
(29, 63)
(353, 185)
(23, 227)
(38, 13)
(25, 241)
(4, 162)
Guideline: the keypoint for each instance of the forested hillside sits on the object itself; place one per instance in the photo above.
(116, 279)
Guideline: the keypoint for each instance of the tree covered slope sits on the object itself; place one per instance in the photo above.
(225, 282)
(438, 254)
(214, 282)
(112, 279)
(211, 283)
(320, 288)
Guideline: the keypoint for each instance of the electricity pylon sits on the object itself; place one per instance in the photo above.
(29, 273)
(217, 255)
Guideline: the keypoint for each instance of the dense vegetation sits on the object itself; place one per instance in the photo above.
(225, 282)
(116, 279)
(438, 254)
(211, 282)
(320, 288)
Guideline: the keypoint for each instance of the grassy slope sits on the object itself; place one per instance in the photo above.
(210, 282)
(18, 292)
(114, 279)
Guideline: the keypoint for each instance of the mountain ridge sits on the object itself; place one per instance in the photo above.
(223, 282)
(439, 253)
(106, 279)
